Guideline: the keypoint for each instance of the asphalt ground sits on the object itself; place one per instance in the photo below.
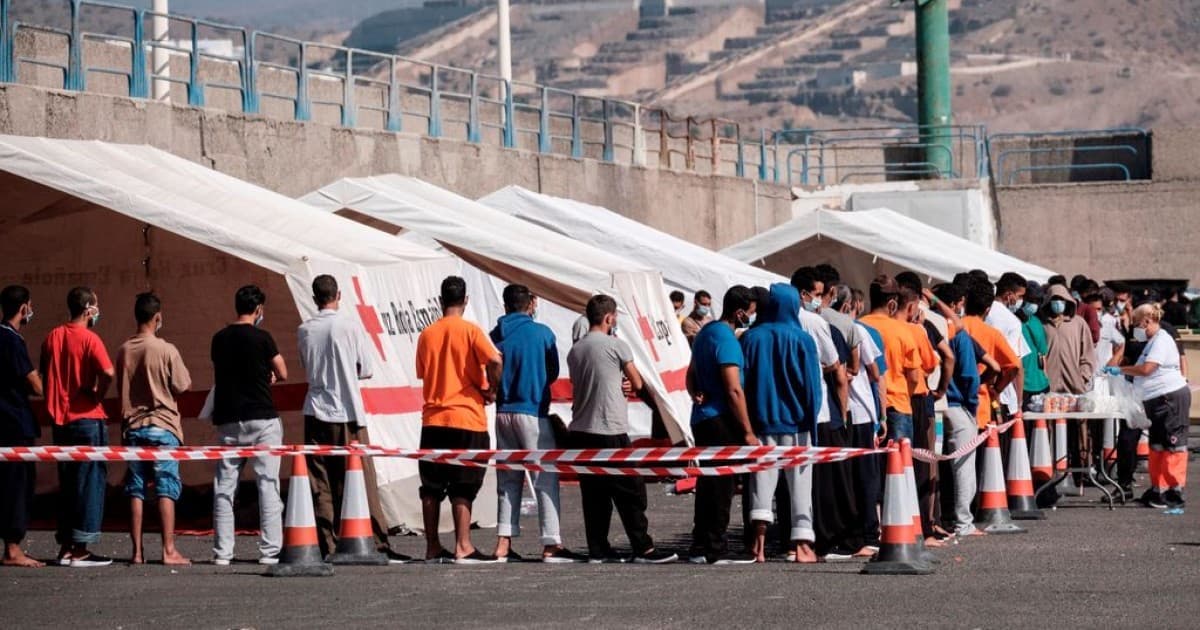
(1084, 566)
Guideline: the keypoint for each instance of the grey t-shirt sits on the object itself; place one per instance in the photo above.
(596, 363)
(845, 325)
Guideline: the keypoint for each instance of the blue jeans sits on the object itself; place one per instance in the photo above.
(81, 485)
(166, 472)
(900, 425)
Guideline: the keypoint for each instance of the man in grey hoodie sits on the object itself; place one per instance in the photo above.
(1070, 357)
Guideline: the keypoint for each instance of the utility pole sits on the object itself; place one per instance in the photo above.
(160, 58)
(933, 83)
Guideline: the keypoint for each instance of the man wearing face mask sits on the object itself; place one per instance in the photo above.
(77, 372)
(598, 364)
(1070, 360)
(18, 426)
(1010, 298)
(811, 289)
(719, 418)
(1082, 286)
(150, 374)
(1033, 364)
(246, 362)
(701, 314)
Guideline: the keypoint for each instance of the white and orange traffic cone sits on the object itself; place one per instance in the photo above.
(1021, 503)
(1042, 467)
(1109, 448)
(898, 553)
(1143, 446)
(301, 555)
(914, 501)
(356, 539)
(993, 516)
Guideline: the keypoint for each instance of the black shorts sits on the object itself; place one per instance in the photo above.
(447, 480)
(1169, 419)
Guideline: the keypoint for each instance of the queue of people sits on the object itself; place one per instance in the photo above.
(813, 361)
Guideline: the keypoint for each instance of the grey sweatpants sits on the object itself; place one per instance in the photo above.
(520, 431)
(266, 474)
(962, 428)
(799, 483)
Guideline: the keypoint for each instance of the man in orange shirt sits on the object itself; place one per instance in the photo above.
(980, 297)
(77, 371)
(891, 310)
(457, 365)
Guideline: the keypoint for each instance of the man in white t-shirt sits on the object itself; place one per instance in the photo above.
(1112, 340)
(811, 289)
(1010, 296)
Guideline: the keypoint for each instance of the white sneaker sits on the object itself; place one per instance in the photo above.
(269, 560)
(222, 562)
(838, 557)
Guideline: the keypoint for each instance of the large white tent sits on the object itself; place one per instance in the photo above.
(684, 265)
(562, 271)
(125, 219)
(864, 243)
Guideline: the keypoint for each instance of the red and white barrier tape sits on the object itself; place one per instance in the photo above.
(930, 457)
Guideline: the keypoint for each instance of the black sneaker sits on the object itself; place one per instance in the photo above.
(1173, 498)
(511, 556)
(655, 556)
(477, 557)
(1153, 499)
(443, 557)
(90, 560)
(609, 558)
(564, 556)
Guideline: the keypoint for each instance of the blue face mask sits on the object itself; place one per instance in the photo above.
(703, 311)
(1030, 309)
(1058, 307)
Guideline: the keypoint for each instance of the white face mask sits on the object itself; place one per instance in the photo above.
(1139, 334)
(1016, 306)
(28, 316)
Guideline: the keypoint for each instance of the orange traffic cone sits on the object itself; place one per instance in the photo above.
(1109, 452)
(898, 552)
(301, 555)
(1043, 463)
(1021, 503)
(914, 505)
(1143, 447)
(356, 540)
(993, 516)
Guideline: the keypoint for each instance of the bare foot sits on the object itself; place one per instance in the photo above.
(175, 558)
(806, 555)
(864, 553)
(933, 543)
(137, 559)
(23, 561)
(977, 532)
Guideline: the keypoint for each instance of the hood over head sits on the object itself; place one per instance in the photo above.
(783, 305)
(1057, 291)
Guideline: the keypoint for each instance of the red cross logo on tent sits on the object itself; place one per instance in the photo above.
(647, 331)
(370, 318)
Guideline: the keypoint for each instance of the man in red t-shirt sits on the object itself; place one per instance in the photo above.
(77, 371)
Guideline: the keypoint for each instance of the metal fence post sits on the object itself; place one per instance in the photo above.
(544, 145)
(576, 128)
(740, 167)
(349, 109)
(76, 78)
(303, 111)
(762, 155)
(195, 88)
(716, 146)
(249, 76)
(510, 124)
(639, 138)
(473, 134)
(435, 104)
(664, 141)
(607, 155)
(139, 86)
(6, 46)
(395, 114)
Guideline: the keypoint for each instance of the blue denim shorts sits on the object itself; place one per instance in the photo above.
(900, 425)
(166, 473)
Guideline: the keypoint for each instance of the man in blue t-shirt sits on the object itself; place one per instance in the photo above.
(18, 379)
(719, 418)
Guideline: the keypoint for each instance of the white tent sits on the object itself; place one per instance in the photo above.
(124, 219)
(864, 243)
(684, 265)
(562, 271)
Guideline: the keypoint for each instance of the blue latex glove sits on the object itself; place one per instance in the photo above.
(1112, 370)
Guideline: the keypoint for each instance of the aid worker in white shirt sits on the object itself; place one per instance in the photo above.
(1010, 297)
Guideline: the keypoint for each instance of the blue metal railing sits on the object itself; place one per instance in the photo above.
(365, 86)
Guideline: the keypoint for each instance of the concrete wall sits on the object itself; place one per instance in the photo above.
(296, 158)
(1113, 230)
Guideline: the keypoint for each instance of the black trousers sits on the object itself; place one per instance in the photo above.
(868, 471)
(17, 481)
(714, 495)
(926, 474)
(1127, 443)
(836, 519)
(601, 493)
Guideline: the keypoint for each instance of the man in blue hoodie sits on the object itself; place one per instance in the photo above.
(523, 422)
(783, 395)
(719, 418)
